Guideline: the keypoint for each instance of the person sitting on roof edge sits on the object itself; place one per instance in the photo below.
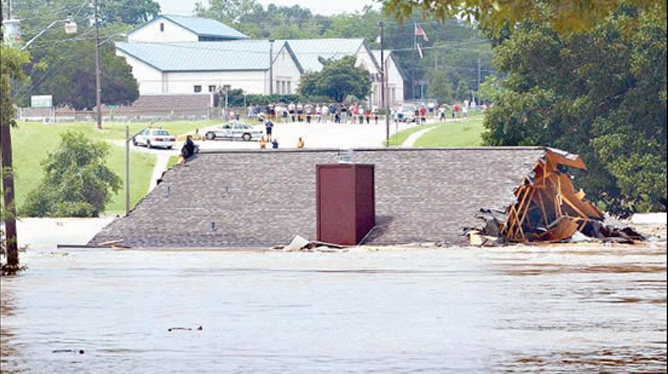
(189, 148)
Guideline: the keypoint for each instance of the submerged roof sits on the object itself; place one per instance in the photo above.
(261, 199)
(204, 27)
(242, 55)
(308, 51)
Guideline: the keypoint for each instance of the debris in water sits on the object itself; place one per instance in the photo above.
(548, 209)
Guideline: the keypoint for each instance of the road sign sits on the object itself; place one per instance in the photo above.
(41, 101)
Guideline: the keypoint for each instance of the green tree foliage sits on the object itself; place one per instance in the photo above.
(129, 12)
(64, 65)
(490, 90)
(77, 182)
(601, 94)
(565, 16)
(227, 11)
(338, 79)
(70, 76)
(11, 65)
(440, 87)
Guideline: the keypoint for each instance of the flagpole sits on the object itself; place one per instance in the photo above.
(416, 60)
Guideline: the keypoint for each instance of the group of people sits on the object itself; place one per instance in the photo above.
(269, 131)
(356, 113)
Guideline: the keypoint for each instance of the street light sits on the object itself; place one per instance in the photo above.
(271, 66)
(70, 28)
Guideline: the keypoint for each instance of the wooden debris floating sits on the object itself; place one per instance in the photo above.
(548, 209)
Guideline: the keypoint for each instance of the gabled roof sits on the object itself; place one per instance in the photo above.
(201, 26)
(241, 55)
(389, 55)
(308, 51)
(237, 199)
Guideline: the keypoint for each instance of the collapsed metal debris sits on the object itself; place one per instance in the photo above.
(548, 209)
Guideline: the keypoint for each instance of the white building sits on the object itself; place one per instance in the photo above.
(188, 55)
(310, 51)
(203, 67)
(167, 28)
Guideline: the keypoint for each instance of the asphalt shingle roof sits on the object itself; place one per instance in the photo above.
(264, 198)
(241, 55)
(206, 27)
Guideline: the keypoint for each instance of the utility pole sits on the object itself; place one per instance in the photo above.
(127, 170)
(479, 74)
(271, 66)
(98, 86)
(9, 9)
(7, 172)
(384, 100)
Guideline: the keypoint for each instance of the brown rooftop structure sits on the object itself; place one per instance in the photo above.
(259, 199)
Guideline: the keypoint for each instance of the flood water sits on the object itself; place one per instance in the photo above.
(520, 309)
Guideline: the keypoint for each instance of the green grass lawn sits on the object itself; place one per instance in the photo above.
(33, 141)
(467, 133)
(116, 130)
(399, 138)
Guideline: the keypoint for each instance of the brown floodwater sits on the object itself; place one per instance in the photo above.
(519, 309)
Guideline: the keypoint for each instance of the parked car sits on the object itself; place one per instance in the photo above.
(151, 138)
(234, 130)
(407, 113)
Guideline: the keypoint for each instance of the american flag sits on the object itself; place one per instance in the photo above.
(420, 32)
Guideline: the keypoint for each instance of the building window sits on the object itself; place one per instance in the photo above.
(198, 88)
(162, 27)
(212, 88)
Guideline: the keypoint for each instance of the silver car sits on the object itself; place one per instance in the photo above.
(234, 130)
(154, 138)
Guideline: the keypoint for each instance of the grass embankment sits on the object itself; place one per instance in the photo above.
(463, 133)
(33, 141)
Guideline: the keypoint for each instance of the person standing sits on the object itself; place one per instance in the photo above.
(308, 110)
(423, 114)
(300, 112)
(269, 127)
(455, 111)
(291, 110)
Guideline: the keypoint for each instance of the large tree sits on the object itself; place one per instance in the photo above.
(565, 16)
(77, 182)
(601, 94)
(70, 76)
(11, 63)
(337, 80)
(129, 12)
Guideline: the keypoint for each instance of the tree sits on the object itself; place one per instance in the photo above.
(490, 89)
(70, 76)
(226, 11)
(338, 79)
(77, 182)
(601, 94)
(440, 87)
(565, 16)
(129, 12)
(462, 92)
(11, 65)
